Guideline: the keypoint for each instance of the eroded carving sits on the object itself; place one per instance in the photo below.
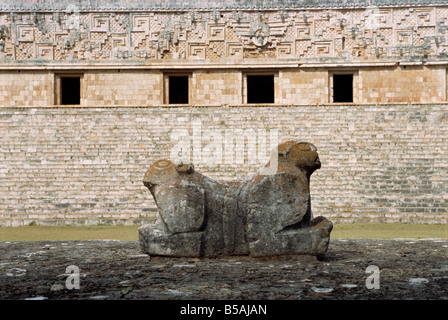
(371, 33)
(266, 214)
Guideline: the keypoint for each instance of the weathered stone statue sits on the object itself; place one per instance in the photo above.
(266, 214)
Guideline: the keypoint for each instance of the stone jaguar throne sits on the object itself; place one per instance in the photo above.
(266, 214)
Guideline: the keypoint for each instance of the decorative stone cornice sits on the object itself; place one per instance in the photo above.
(179, 5)
(117, 34)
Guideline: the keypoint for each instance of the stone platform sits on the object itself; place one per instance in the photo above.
(409, 269)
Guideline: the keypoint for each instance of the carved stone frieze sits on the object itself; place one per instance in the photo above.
(371, 33)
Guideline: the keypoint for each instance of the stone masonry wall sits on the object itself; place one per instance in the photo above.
(410, 83)
(122, 88)
(380, 163)
(304, 86)
(211, 87)
(19, 88)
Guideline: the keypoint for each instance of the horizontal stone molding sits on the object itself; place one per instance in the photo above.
(145, 5)
(213, 65)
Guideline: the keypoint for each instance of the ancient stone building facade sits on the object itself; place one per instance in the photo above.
(91, 92)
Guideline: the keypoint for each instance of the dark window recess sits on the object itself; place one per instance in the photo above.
(70, 90)
(178, 90)
(260, 89)
(343, 88)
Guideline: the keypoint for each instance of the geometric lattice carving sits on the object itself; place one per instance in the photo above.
(216, 33)
(196, 51)
(372, 33)
(44, 51)
(403, 36)
(25, 33)
(285, 49)
(235, 50)
(100, 23)
(141, 23)
(324, 48)
(119, 41)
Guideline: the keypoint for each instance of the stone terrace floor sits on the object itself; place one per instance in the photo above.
(116, 270)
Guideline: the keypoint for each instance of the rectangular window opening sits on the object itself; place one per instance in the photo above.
(70, 90)
(178, 89)
(342, 87)
(260, 89)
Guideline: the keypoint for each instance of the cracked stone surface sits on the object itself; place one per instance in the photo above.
(408, 269)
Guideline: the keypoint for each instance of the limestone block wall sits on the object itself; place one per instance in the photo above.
(122, 87)
(308, 86)
(403, 84)
(216, 87)
(85, 165)
(19, 88)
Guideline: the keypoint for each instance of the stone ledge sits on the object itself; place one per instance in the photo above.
(175, 107)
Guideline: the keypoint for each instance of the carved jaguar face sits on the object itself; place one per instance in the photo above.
(300, 154)
(305, 156)
(163, 171)
(158, 172)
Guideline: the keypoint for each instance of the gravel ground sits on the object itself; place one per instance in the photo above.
(400, 269)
